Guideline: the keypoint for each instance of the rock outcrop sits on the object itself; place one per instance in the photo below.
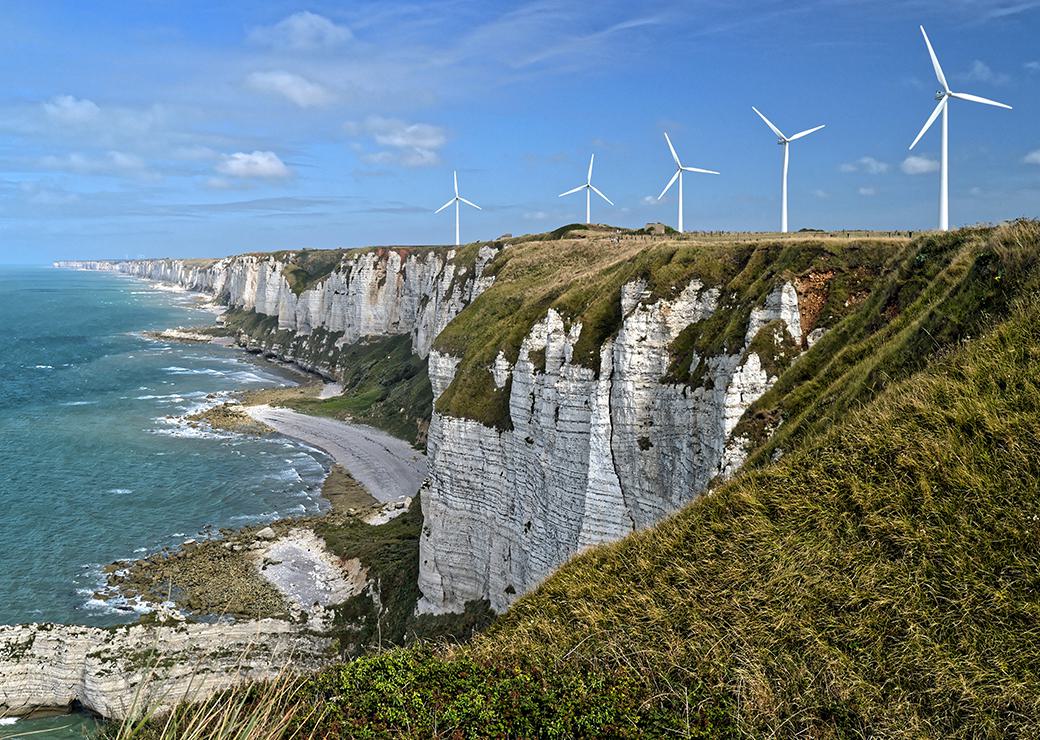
(126, 671)
(591, 456)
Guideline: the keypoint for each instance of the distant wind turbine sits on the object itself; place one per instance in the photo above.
(943, 106)
(589, 189)
(456, 200)
(679, 170)
(784, 141)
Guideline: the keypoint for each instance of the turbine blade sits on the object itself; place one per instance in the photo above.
(669, 185)
(930, 121)
(800, 134)
(597, 192)
(935, 62)
(572, 190)
(445, 206)
(769, 123)
(588, 180)
(700, 170)
(470, 203)
(455, 176)
(977, 99)
(672, 150)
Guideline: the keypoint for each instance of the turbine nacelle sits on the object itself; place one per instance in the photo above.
(940, 94)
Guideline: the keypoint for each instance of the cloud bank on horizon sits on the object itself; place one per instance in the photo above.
(187, 129)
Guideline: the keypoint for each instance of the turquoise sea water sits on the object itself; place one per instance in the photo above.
(94, 464)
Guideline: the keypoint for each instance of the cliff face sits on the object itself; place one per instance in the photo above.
(129, 671)
(586, 386)
(590, 456)
(362, 293)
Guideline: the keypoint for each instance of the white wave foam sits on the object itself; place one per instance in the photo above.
(120, 491)
(78, 403)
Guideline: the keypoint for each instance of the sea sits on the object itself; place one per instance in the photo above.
(96, 461)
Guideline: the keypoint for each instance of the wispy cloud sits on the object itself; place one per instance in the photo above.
(1032, 67)
(303, 31)
(982, 72)
(867, 192)
(111, 163)
(253, 165)
(918, 165)
(869, 165)
(1033, 157)
(292, 87)
(403, 143)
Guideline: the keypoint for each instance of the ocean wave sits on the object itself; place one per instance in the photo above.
(7, 721)
(78, 403)
(43, 367)
(120, 491)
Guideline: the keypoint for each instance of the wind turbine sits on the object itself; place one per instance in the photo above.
(456, 200)
(943, 106)
(679, 170)
(784, 141)
(589, 189)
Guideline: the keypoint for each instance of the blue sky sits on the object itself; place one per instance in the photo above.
(207, 128)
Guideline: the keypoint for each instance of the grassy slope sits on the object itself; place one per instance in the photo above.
(883, 577)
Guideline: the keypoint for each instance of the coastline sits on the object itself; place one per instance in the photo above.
(276, 582)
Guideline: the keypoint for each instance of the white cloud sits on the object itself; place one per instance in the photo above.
(982, 72)
(648, 200)
(1033, 157)
(71, 110)
(303, 31)
(111, 163)
(253, 165)
(867, 192)
(821, 194)
(536, 216)
(915, 165)
(293, 87)
(1032, 67)
(866, 164)
(406, 144)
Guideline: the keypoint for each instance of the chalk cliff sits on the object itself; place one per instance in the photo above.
(354, 293)
(126, 671)
(591, 456)
(617, 370)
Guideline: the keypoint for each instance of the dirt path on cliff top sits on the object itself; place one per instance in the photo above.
(389, 468)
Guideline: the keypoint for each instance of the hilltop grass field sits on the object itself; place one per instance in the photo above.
(873, 571)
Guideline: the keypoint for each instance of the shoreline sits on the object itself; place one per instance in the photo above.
(300, 578)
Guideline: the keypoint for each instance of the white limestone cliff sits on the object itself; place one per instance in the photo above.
(134, 670)
(591, 456)
(379, 292)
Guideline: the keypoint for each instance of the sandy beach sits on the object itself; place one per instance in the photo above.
(389, 468)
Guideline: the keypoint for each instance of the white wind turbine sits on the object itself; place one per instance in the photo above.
(589, 189)
(943, 106)
(456, 200)
(784, 141)
(679, 170)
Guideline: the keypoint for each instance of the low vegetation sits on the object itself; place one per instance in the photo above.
(881, 577)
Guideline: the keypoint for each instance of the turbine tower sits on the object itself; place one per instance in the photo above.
(456, 200)
(679, 170)
(943, 107)
(589, 189)
(784, 141)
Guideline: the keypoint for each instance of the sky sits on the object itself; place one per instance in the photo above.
(162, 128)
